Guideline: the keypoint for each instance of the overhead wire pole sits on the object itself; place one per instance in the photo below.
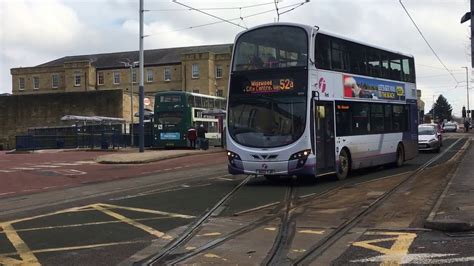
(467, 90)
(141, 90)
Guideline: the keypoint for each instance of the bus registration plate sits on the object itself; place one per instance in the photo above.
(265, 171)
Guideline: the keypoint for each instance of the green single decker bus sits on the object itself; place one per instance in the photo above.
(177, 111)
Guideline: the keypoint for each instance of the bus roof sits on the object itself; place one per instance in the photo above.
(308, 28)
(190, 93)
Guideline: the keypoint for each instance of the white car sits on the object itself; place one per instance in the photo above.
(428, 138)
(450, 127)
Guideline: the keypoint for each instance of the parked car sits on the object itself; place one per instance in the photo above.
(450, 127)
(428, 138)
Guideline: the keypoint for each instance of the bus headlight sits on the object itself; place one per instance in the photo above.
(232, 157)
(301, 156)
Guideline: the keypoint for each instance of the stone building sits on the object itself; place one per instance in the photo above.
(200, 69)
(100, 84)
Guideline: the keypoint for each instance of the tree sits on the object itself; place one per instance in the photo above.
(442, 109)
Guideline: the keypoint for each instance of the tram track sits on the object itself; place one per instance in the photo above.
(317, 249)
(283, 210)
(193, 228)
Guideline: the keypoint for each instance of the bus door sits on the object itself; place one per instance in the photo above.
(324, 135)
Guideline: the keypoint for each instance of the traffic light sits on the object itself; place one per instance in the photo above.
(463, 112)
(470, 16)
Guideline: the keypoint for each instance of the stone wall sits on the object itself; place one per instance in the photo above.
(20, 112)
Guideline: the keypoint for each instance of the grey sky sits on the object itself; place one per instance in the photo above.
(33, 31)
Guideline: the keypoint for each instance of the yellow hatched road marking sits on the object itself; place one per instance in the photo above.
(396, 252)
(317, 232)
(27, 257)
(46, 250)
(85, 224)
(129, 221)
(171, 214)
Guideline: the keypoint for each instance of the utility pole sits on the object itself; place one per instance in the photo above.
(466, 17)
(141, 90)
(467, 90)
(432, 109)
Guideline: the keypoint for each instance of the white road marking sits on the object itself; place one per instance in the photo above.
(420, 258)
(47, 166)
(49, 187)
(24, 168)
(6, 193)
(7, 171)
(68, 172)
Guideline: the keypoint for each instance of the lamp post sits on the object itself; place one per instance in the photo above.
(141, 90)
(467, 90)
(131, 66)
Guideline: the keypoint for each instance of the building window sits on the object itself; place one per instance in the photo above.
(195, 71)
(21, 84)
(54, 81)
(134, 76)
(100, 78)
(36, 83)
(196, 91)
(167, 74)
(116, 77)
(149, 75)
(77, 80)
(218, 71)
(220, 92)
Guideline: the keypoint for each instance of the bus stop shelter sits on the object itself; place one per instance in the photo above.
(220, 114)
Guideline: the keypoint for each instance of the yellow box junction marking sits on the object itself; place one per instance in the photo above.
(27, 256)
(395, 253)
(132, 222)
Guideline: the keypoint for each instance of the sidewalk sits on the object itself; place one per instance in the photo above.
(454, 210)
(149, 156)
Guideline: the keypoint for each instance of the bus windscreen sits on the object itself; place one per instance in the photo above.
(271, 47)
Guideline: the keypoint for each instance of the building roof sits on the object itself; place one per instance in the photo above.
(152, 57)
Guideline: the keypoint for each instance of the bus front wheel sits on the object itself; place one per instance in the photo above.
(344, 165)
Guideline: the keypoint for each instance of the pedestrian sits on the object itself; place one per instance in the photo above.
(466, 126)
(192, 136)
(201, 136)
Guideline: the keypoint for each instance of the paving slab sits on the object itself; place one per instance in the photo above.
(454, 210)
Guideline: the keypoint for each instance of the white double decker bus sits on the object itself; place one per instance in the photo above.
(306, 102)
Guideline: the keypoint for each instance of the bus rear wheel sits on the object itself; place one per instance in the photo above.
(400, 156)
(344, 165)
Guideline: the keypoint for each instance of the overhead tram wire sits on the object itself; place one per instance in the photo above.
(292, 6)
(208, 14)
(429, 45)
(212, 8)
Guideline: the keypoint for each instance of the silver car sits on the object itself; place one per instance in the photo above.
(428, 138)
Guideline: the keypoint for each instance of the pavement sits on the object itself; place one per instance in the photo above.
(136, 157)
(454, 210)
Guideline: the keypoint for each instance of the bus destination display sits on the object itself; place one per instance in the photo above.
(269, 86)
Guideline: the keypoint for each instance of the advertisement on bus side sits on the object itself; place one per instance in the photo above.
(359, 87)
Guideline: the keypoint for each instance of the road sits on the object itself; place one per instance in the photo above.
(128, 219)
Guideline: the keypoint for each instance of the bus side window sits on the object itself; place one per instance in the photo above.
(323, 52)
